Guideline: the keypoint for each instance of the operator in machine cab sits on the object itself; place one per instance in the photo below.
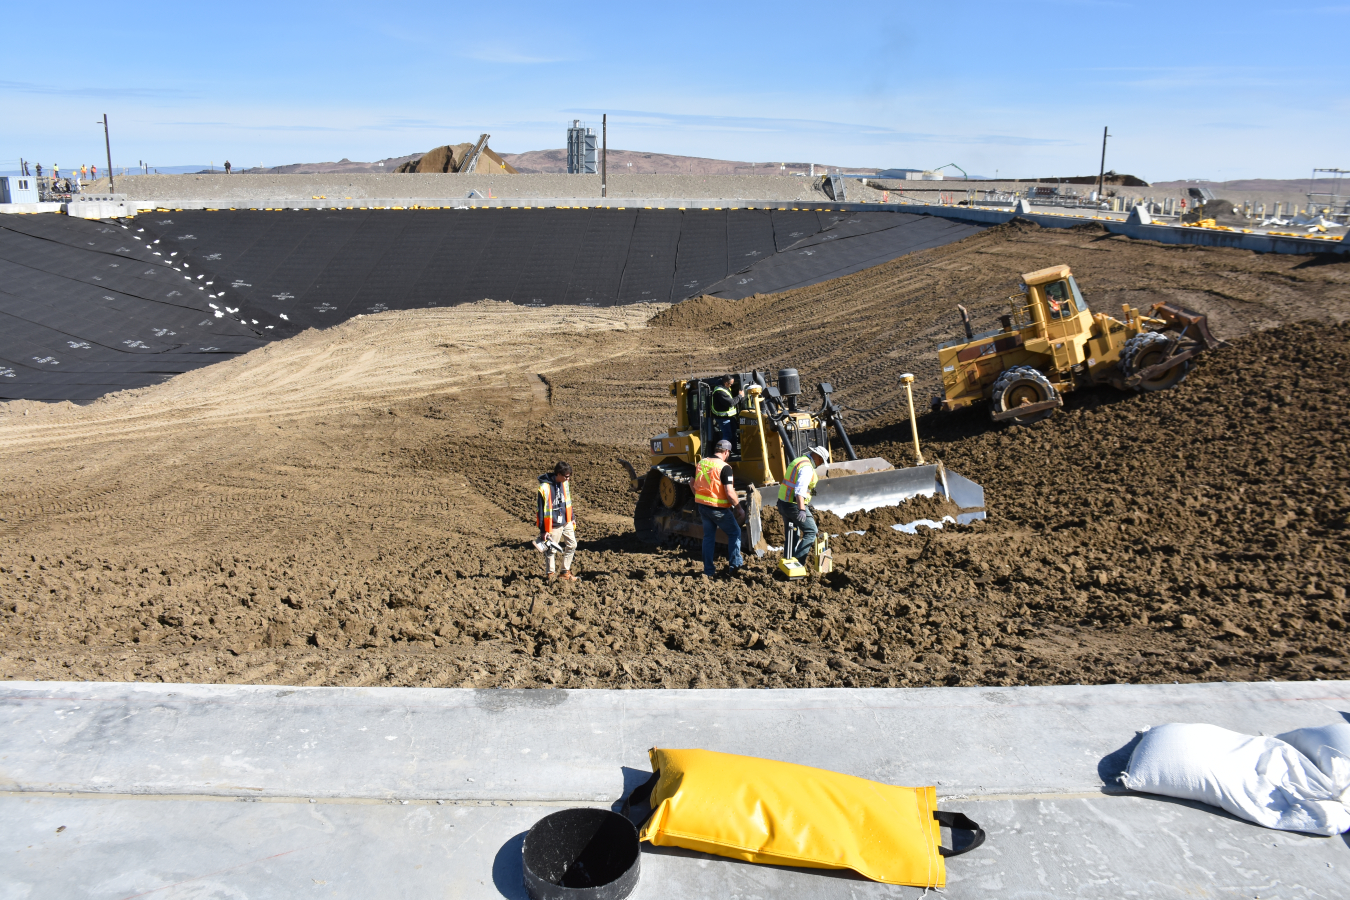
(725, 407)
(1061, 300)
(553, 512)
(718, 507)
(799, 482)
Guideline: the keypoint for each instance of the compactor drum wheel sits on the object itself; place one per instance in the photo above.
(1146, 350)
(1022, 386)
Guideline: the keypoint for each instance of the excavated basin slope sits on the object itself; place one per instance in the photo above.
(350, 506)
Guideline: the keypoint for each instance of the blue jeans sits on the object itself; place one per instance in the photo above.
(806, 531)
(713, 519)
(728, 429)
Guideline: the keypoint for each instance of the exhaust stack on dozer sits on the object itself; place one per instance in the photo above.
(771, 429)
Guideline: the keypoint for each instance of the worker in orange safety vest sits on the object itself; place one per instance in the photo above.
(553, 513)
(718, 507)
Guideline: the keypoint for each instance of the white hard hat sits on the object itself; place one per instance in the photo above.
(820, 452)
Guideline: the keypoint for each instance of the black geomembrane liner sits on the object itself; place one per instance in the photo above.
(649, 271)
(598, 270)
(701, 258)
(749, 238)
(89, 307)
(817, 260)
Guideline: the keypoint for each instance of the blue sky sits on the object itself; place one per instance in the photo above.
(1199, 89)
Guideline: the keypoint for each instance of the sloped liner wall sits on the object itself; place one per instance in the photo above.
(93, 307)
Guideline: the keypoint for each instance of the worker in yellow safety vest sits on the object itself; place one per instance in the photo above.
(718, 507)
(725, 408)
(799, 483)
(553, 513)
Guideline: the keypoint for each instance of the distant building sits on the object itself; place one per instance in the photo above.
(581, 156)
(909, 175)
(18, 189)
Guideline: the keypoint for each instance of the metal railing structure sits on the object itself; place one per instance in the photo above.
(1331, 204)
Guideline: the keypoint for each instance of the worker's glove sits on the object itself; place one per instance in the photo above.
(739, 514)
(799, 516)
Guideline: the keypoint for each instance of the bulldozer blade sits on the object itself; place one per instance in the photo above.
(843, 495)
(635, 481)
(1188, 322)
(855, 467)
(754, 524)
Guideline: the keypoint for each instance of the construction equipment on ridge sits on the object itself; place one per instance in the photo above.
(772, 430)
(1051, 343)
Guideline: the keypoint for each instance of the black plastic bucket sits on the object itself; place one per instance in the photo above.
(581, 854)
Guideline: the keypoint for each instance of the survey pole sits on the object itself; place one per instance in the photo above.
(107, 145)
(604, 153)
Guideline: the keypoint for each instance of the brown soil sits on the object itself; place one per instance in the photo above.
(353, 506)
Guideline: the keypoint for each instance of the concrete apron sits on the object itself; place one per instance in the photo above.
(130, 790)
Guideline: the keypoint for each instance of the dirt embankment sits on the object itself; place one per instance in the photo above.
(351, 507)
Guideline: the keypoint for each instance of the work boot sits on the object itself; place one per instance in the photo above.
(552, 576)
(568, 576)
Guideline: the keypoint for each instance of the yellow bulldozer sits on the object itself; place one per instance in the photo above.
(1051, 343)
(772, 429)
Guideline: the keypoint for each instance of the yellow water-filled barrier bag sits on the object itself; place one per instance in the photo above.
(779, 813)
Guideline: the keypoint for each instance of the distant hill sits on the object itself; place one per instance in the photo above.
(637, 162)
(1257, 184)
(342, 166)
(536, 162)
(1110, 179)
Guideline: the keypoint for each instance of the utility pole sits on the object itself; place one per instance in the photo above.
(107, 145)
(604, 154)
(1102, 174)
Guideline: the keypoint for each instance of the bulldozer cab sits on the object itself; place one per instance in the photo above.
(694, 404)
(1056, 310)
(1063, 299)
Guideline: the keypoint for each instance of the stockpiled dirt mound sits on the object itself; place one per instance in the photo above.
(353, 506)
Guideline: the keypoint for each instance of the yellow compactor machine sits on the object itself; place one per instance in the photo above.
(1051, 343)
(773, 428)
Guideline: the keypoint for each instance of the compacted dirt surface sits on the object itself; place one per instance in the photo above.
(354, 506)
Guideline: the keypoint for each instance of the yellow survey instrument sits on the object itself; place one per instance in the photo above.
(821, 560)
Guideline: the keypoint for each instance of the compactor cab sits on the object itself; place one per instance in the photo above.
(1051, 342)
(773, 427)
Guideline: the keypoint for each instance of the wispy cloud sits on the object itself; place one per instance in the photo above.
(1225, 77)
(488, 52)
(26, 87)
(509, 57)
(238, 126)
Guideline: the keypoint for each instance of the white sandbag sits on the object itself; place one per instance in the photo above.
(1260, 779)
(1327, 746)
